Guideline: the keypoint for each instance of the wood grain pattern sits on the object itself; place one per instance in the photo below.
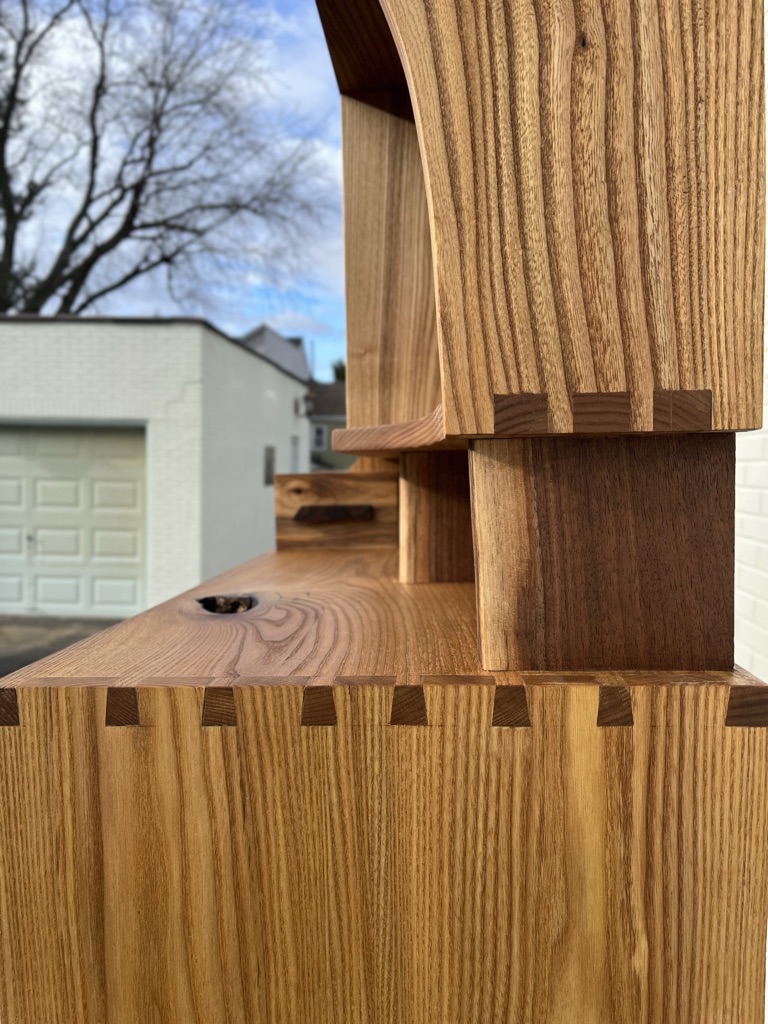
(408, 706)
(602, 413)
(527, 415)
(122, 707)
(321, 616)
(366, 874)
(605, 553)
(219, 707)
(520, 414)
(597, 195)
(295, 493)
(318, 706)
(425, 432)
(682, 410)
(614, 707)
(393, 372)
(9, 707)
(748, 707)
(435, 518)
(510, 708)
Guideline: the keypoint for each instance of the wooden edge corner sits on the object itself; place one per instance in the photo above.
(450, 680)
(365, 680)
(510, 708)
(9, 707)
(122, 706)
(219, 707)
(747, 707)
(615, 707)
(408, 706)
(318, 706)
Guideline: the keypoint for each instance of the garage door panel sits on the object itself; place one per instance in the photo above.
(114, 496)
(116, 545)
(11, 492)
(11, 540)
(60, 591)
(114, 592)
(11, 592)
(57, 494)
(72, 520)
(58, 543)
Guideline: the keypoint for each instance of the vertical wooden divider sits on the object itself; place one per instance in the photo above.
(604, 553)
(435, 518)
(393, 371)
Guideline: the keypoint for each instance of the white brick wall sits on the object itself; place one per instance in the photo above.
(751, 634)
(114, 373)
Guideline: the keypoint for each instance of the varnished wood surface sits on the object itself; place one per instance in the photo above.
(615, 553)
(361, 507)
(596, 183)
(435, 538)
(393, 374)
(322, 617)
(365, 873)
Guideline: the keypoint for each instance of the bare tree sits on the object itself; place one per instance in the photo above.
(135, 135)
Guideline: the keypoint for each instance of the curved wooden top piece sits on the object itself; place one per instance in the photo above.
(596, 190)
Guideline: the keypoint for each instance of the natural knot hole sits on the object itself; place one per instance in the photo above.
(228, 604)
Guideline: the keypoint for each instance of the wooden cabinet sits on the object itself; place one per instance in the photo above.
(470, 747)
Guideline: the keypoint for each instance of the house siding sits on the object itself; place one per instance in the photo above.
(247, 405)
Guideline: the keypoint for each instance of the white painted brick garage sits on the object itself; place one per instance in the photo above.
(752, 549)
(209, 408)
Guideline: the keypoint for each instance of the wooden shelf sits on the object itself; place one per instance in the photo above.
(424, 434)
(328, 617)
(594, 414)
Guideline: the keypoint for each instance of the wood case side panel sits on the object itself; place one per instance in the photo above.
(597, 193)
(393, 372)
(367, 873)
(604, 553)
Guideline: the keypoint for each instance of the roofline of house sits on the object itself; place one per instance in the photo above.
(198, 321)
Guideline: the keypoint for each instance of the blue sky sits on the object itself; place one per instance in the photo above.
(314, 305)
(309, 303)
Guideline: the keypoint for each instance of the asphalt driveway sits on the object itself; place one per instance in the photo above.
(25, 638)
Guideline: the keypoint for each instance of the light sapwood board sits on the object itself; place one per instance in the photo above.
(275, 874)
(392, 355)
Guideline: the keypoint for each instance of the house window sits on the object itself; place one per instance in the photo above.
(319, 438)
(269, 465)
(295, 442)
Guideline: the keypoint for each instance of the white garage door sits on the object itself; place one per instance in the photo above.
(71, 521)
